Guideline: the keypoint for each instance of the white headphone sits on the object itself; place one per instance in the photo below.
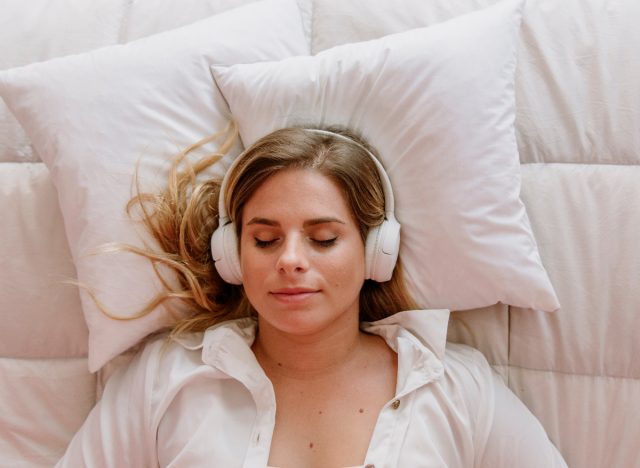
(381, 247)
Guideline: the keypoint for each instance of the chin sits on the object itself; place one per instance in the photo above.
(298, 323)
(304, 321)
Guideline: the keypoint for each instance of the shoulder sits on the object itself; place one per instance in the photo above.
(468, 373)
(506, 433)
(469, 382)
(166, 362)
(467, 367)
(158, 362)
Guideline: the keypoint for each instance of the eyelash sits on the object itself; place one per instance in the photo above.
(263, 244)
(321, 243)
(326, 242)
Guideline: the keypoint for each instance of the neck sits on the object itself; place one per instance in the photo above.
(306, 357)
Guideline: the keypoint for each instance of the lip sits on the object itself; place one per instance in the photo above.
(293, 295)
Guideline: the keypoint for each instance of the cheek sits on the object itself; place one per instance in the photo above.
(252, 279)
(347, 267)
(252, 269)
(252, 264)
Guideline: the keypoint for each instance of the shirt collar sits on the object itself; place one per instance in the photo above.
(417, 336)
(427, 327)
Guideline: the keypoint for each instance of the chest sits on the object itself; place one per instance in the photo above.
(326, 424)
(232, 428)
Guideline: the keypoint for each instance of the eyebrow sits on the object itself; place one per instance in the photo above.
(307, 223)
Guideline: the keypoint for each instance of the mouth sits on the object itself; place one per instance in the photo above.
(293, 295)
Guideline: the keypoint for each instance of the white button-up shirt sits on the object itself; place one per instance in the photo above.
(206, 402)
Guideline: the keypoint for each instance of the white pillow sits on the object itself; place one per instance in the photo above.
(438, 104)
(91, 117)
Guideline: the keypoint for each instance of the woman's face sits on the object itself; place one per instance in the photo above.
(301, 253)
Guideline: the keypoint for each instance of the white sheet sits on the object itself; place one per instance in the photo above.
(44, 402)
(587, 222)
(41, 316)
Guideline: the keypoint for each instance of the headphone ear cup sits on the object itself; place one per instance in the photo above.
(381, 250)
(224, 250)
(369, 250)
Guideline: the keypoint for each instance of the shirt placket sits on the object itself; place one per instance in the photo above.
(395, 416)
(262, 433)
(392, 422)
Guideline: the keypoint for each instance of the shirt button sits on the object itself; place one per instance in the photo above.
(395, 404)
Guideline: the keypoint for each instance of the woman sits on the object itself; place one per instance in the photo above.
(308, 354)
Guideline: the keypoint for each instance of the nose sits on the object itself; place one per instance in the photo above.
(293, 256)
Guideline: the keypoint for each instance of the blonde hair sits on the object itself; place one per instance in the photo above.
(183, 217)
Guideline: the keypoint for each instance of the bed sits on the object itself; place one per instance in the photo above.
(578, 135)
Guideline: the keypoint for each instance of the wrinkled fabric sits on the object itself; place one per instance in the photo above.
(205, 401)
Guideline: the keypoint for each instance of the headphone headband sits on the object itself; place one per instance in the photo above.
(389, 202)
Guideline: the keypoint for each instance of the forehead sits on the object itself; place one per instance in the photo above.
(304, 193)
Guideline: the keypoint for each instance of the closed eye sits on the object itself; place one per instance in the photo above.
(325, 242)
(263, 244)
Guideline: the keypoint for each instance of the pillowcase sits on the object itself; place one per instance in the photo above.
(93, 116)
(438, 104)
